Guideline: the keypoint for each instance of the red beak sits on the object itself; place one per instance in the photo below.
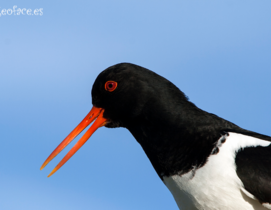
(91, 116)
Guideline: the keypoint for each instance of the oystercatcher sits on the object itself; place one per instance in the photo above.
(207, 163)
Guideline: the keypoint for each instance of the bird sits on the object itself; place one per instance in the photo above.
(206, 162)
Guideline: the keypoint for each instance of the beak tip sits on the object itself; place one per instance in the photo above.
(52, 172)
(42, 166)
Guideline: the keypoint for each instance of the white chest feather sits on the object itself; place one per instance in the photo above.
(216, 186)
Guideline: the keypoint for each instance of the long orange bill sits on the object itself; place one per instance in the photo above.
(91, 116)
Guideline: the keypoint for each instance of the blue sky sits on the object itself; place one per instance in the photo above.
(217, 52)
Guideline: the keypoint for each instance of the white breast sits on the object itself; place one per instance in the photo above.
(216, 186)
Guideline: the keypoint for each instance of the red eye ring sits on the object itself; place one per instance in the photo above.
(110, 86)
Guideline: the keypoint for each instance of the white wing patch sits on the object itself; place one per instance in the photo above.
(216, 186)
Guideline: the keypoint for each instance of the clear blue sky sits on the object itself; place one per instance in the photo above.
(217, 52)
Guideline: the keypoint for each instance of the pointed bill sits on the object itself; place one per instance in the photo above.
(91, 116)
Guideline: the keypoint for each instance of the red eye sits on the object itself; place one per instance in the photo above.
(110, 86)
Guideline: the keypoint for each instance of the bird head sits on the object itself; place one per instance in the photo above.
(121, 91)
(124, 95)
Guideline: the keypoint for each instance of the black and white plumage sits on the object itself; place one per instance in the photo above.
(207, 163)
(219, 183)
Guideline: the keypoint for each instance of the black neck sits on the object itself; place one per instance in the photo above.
(175, 142)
